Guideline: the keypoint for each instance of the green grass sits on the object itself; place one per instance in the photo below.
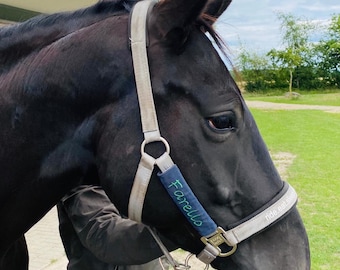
(330, 99)
(314, 137)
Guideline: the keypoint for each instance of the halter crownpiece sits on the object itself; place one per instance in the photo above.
(170, 176)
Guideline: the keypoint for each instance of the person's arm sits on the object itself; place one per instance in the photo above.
(100, 228)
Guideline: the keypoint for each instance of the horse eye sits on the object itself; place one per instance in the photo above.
(226, 122)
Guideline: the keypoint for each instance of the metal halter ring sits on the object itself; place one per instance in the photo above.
(159, 139)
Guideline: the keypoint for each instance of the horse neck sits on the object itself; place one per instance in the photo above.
(23, 39)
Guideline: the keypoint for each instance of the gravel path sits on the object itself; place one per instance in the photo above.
(283, 106)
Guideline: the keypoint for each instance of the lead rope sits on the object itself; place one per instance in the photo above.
(167, 254)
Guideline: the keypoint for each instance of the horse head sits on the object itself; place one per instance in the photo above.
(213, 139)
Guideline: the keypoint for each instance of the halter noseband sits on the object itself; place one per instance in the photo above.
(173, 181)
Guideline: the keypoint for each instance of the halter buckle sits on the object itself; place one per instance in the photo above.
(217, 239)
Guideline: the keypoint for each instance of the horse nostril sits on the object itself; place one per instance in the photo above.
(236, 209)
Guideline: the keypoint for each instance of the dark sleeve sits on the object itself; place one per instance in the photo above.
(100, 228)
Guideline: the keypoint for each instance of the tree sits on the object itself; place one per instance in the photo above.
(329, 53)
(253, 67)
(257, 72)
(295, 36)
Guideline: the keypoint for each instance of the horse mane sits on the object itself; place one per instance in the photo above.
(21, 39)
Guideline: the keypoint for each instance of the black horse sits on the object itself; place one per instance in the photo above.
(69, 114)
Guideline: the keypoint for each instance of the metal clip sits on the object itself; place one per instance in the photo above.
(186, 263)
(218, 239)
(176, 265)
(182, 267)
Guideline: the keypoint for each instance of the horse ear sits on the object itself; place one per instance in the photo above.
(215, 8)
(173, 19)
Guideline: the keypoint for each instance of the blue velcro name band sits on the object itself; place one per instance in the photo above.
(186, 201)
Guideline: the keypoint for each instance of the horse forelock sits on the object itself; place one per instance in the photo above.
(205, 22)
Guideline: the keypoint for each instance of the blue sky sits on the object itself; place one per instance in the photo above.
(254, 24)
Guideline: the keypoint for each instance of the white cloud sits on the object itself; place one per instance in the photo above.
(254, 24)
(322, 7)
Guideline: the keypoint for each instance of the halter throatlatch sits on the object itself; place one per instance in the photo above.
(170, 176)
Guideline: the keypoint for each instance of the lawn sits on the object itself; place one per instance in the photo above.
(314, 137)
(330, 99)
